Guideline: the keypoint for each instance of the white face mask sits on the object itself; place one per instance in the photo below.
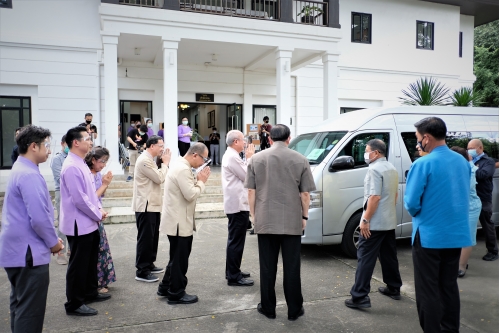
(367, 157)
(184, 122)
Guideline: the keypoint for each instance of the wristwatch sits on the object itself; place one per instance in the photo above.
(365, 220)
(305, 218)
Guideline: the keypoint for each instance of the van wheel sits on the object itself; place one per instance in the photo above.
(350, 238)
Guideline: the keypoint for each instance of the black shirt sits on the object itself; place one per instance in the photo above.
(134, 135)
(484, 178)
(213, 140)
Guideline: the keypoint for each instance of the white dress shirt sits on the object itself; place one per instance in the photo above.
(234, 171)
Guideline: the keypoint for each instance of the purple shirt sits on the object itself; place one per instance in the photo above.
(27, 217)
(79, 201)
(98, 184)
(150, 132)
(183, 130)
(160, 133)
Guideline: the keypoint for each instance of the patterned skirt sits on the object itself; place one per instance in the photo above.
(105, 266)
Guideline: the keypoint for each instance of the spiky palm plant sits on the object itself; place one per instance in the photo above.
(426, 91)
(465, 96)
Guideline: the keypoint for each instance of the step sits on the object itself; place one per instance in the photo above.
(121, 184)
(203, 211)
(127, 201)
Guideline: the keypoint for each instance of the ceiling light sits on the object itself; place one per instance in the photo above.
(137, 51)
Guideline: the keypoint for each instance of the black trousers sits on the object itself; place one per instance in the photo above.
(269, 249)
(381, 244)
(236, 235)
(436, 288)
(175, 281)
(81, 276)
(28, 295)
(183, 147)
(488, 227)
(148, 234)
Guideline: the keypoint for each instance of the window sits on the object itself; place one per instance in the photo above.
(5, 3)
(356, 147)
(315, 146)
(14, 112)
(346, 110)
(361, 28)
(260, 111)
(425, 35)
(460, 43)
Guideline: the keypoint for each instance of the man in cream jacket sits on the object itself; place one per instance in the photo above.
(182, 188)
(146, 203)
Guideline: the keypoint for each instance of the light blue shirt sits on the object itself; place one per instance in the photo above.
(477, 158)
(437, 197)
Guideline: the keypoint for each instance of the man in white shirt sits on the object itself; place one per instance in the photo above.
(236, 207)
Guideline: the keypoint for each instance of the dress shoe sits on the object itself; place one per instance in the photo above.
(361, 304)
(240, 283)
(161, 293)
(245, 274)
(394, 294)
(490, 256)
(99, 298)
(186, 299)
(461, 273)
(82, 311)
(150, 278)
(157, 270)
(301, 313)
(268, 315)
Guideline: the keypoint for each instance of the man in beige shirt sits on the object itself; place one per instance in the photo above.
(234, 171)
(279, 181)
(146, 203)
(182, 188)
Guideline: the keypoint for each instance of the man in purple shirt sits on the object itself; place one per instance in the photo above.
(28, 235)
(80, 215)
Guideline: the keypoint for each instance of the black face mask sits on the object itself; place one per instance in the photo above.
(88, 122)
(419, 143)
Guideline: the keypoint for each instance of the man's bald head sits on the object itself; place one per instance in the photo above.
(477, 145)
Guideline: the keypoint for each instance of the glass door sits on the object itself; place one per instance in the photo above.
(234, 118)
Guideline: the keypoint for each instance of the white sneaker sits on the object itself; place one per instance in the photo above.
(149, 278)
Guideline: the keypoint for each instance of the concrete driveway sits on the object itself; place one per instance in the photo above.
(327, 276)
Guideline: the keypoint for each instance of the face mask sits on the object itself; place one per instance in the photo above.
(150, 125)
(184, 123)
(66, 149)
(88, 122)
(420, 145)
(214, 132)
(141, 133)
(367, 157)
(472, 153)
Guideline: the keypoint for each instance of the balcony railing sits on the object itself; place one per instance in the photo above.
(311, 12)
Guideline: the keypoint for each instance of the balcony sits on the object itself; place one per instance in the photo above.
(307, 12)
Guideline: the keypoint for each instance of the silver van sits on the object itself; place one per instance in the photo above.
(335, 152)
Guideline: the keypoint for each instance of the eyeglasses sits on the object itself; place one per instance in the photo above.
(87, 138)
(47, 144)
(161, 146)
(205, 159)
(103, 161)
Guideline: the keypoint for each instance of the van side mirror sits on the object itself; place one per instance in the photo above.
(342, 163)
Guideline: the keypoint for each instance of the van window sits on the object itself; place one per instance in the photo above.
(315, 146)
(356, 147)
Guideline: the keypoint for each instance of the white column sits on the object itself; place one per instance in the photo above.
(112, 112)
(247, 106)
(330, 86)
(283, 82)
(170, 95)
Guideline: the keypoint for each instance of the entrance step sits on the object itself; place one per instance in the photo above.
(108, 202)
(122, 184)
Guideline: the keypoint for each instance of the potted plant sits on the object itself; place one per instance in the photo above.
(309, 13)
(196, 138)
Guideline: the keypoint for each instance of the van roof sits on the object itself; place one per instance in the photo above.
(355, 119)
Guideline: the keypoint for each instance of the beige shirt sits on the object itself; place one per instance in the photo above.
(147, 184)
(234, 171)
(179, 200)
(279, 175)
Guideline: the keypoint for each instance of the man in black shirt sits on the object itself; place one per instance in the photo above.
(137, 142)
(214, 146)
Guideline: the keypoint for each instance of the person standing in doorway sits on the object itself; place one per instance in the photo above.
(184, 134)
(56, 167)
(279, 181)
(438, 199)
(137, 142)
(15, 149)
(160, 132)
(214, 146)
(149, 124)
(80, 215)
(264, 132)
(484, 187)
(28, 237)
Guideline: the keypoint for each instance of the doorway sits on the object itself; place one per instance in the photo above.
(132, 111)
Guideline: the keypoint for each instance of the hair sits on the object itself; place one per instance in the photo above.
(184, 118)
(280, 132)
(161, 125)
(231, 136)
(74, 133)
(149, 120)
(29, 134)
(461, 151)
(88, 114)
(17, 129)
(143, 128)
(97, 153)
(432, 125)
(138, 126)
(378, 145)
(214, 129)
(93, 127)
(63, 139)
(198, 148)
(153, 140)
(265, 118)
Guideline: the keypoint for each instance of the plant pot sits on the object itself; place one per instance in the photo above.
(307, 19)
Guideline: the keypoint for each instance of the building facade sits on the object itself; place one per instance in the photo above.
(222, 63)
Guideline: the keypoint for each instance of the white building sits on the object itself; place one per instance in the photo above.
(118, 61)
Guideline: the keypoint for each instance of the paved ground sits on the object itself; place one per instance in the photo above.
(327, 276)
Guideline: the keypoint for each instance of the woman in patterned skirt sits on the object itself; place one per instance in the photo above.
(96, 160)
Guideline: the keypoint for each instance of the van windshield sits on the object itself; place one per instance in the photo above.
(315, 146)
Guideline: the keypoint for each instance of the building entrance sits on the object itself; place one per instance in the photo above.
(131, 112)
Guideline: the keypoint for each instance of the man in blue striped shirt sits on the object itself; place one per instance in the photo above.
(437, 197)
